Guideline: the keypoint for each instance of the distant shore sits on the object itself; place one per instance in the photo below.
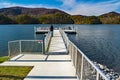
(22, 15)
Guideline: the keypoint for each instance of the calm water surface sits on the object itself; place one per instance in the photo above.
(100, 42)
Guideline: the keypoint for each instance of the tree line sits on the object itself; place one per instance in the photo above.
(58, 18)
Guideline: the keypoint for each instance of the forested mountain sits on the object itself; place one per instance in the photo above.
(22, 15)
(13, 11)
(110, 18)
(79, 19)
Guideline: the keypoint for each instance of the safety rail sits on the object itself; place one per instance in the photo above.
(65, 38)
(41, 29)
(68, 28)
(47, 40)
(85, 68)
(25, 47)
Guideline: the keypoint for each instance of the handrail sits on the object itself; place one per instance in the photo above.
(41, 28)
(47, 40)
(24, 46)
(65, 38)
(74, 52)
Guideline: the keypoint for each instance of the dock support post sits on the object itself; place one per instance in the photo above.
(82, 68)
(8, 49)
(97, 76)
(44, 44)
(75, 58)
(20, 46)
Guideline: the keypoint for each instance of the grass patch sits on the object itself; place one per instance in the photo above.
(14, 72)
(5, 58)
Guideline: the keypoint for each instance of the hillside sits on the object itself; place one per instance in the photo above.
(22, 15)
(110, 18)
(110, 14)
(30, 11)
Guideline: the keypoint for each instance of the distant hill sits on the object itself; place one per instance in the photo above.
(110, 14)
(79, 19)
(23, 15)
(110, 18)
(12, 11)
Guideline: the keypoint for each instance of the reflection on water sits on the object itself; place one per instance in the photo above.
(100, 42)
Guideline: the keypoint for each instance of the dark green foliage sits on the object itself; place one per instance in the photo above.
(92, 20)
(25, 19)
(5, 20)
(57, 18)
(78, 19)
(85, 19)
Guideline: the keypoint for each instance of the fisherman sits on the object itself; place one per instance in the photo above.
(51, 29)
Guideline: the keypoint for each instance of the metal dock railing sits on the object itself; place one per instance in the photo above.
(85, 68)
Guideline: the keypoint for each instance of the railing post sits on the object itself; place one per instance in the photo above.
(43, 45)
(97, 76)
(67, 43)
(8, 49)
(75, 57)
(82, 68)
(72, 52)
(20, 46)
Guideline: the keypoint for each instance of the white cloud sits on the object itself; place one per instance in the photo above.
(68, 3)
(4, 4)
(91, 8)
(74, 7)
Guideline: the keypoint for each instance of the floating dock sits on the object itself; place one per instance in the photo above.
(42, 30)
(70, 31)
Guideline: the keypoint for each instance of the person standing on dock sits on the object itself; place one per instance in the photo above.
(51, 29)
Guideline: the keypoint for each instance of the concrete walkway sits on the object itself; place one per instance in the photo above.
(46, 67)
(57, 44)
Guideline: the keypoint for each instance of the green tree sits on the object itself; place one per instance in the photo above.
(110, 20)
(78, 19)
(5, 20)
(57, 18)
(25, 19)
(92, 20)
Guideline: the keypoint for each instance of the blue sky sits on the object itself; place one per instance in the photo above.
(74, 7)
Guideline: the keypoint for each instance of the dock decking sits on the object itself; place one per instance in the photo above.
(57, 44)
(47, 67)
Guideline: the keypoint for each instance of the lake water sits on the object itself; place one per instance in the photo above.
(100, 43)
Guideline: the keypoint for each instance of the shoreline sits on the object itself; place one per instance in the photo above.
(110, 73)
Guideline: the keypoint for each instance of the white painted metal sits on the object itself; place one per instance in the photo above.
(97, 77)
(81, 76)
(47, 40)
(9, 49)
(20, 46)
